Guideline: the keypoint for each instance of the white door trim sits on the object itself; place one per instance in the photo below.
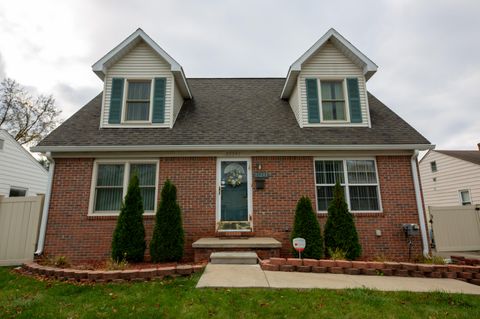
(249, 188)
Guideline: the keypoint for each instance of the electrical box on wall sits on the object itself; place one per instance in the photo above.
(411, 229)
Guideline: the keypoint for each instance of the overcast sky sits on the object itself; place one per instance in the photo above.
(428, 52)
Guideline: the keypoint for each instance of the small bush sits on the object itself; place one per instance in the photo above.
(129, 236)
(435, 260)
(337, 254)
(168, 235)
(62, 262)
(117, 265)
(380, 258)
(340, 230)
(306, 226)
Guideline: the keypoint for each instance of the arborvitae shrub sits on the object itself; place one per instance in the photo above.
(168, 235)
(128, 241)
(340, 231)
(306, 226)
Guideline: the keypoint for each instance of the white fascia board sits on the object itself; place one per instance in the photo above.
(147, 148)
(99, 67)
(369, 67)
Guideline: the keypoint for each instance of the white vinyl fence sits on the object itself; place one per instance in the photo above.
(19, 221)
(456, 228)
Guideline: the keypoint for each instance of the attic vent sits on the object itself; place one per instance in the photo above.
(1, 144)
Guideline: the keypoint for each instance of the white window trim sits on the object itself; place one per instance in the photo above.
(431, 167)
(345, 96)
(346, 184)
(126, 174)
(124, 101)
(460, 196)
(18, 188)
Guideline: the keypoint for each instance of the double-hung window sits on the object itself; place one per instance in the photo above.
(465, 197)
(110, 184)
(333, 101)
(138, 100)
(358, 179)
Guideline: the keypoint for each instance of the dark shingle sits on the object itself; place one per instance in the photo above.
(469, 156)
(234, 111)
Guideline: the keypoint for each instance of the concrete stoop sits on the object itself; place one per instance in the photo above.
(234, 257)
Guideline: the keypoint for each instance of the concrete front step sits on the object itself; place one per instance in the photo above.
(234, 257)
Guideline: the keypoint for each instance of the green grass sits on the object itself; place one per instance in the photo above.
(25, 297)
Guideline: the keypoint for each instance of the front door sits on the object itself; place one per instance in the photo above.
(233, 207)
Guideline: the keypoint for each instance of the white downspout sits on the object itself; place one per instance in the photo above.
(46, 205)
(418, 196)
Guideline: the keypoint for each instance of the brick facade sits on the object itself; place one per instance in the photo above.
(70, 232)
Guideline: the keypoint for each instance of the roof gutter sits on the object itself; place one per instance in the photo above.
(220, 147)
(418, 197)
(46, 205)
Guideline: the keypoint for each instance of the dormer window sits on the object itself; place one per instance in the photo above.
(333, 101)
(332, 104)
(138, 104)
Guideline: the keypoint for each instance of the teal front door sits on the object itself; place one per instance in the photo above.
(234, 191)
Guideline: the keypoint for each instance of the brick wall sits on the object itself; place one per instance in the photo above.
(72, 233)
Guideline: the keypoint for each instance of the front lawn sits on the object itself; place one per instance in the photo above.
(24, 297)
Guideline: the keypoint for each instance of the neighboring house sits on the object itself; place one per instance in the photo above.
(241, 151)
(451, 178)
(20, 172)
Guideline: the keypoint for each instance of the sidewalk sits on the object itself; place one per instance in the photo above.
(242, 276)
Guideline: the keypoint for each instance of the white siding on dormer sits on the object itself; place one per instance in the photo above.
(177, 103)
(331, 63)
(141, 62)
(294, 101)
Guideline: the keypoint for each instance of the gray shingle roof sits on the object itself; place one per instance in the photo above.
(469, 156)
(234, 111)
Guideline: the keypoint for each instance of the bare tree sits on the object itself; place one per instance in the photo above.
(28, 119)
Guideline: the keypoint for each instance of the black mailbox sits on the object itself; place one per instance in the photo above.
(260, 178)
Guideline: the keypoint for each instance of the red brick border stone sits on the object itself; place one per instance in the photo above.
(99, 276)
(469, 274)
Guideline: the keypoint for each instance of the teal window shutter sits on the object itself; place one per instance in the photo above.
(158, 114)
(116, 101)
(354, 100)
(312, 101)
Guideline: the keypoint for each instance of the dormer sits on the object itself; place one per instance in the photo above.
(326, 86)
(143, 85)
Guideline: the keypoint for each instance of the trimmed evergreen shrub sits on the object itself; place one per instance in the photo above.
(168, 235)
(128, 241)
(340, 231)
(306, 226)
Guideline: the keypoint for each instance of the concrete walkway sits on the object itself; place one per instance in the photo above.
(242, 276)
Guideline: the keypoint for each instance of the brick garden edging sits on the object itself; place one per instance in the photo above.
(465, 273)
(101, 276)
(460, 260)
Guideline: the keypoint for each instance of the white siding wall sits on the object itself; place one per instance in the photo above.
(177, 104)
(295, 103)
(452, 175)
(331, 63)
(20, 169)
(141, 62)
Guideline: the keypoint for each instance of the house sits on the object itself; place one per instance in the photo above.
(20, 172)
(450, 178)
(241, 151)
